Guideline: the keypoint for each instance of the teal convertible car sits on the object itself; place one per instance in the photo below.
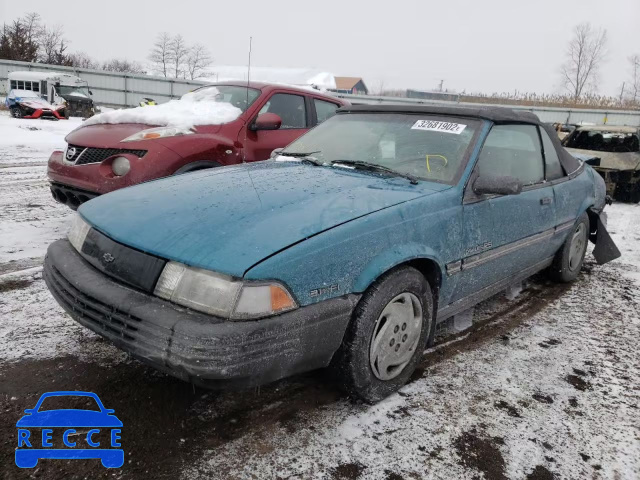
(344, 250)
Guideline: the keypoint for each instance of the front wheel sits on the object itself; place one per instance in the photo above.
(568, 261)
(387, 336)
(16, 112)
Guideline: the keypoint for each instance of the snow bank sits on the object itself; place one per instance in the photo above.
(195, 108)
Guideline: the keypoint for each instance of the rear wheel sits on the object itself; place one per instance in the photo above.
(387, 336)
(569, 259)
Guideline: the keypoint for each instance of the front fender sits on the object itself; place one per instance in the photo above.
(392, 257)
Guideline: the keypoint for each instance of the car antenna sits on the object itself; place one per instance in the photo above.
(244, 147)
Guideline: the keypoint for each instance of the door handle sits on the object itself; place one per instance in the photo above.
(545, 201)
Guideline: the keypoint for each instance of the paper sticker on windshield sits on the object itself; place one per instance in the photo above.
(437, 126)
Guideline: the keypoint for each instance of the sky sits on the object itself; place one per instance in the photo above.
(490, 46)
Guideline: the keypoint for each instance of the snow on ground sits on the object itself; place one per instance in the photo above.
(545, 384)
(29, 218)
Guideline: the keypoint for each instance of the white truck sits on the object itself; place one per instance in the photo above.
(56, 88)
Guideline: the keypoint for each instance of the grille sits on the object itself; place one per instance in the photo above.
(86, 155)
(103, 316)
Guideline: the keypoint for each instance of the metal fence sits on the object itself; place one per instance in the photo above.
(111, 89)
(126, 90)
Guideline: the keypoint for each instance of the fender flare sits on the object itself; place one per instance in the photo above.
(197, 165)
(392, 257)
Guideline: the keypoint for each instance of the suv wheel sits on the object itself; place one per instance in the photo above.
(387, 336)
(16, 112)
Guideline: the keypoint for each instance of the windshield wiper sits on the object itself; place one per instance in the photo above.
(375, 167)
(303, 156)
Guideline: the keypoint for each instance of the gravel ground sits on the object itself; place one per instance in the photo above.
(543, 386)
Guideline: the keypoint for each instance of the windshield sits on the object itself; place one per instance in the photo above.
(236, 96)
(76, 90)
(426, 146)
(604, 141)
(65, 402)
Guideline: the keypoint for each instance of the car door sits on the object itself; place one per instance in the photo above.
(294, 111)
(505, 235)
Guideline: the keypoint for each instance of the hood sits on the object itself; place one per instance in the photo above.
(35, 102)
(77, 98)
(612, 160)
(110, 135)
(231, 218)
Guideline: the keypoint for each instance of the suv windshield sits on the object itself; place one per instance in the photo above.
(236, 96)
(425, 146)
(76, 91)
(604, 141)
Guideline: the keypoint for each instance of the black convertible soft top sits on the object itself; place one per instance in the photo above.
(493, 114)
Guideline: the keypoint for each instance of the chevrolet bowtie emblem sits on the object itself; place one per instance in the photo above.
(108, 258)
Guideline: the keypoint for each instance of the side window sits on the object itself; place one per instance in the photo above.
(512, 150)
(553, 168)
(20, 85)
(290, 108)
(14, 85)
(324, 109)
(35, 86)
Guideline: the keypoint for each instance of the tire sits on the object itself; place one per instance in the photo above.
(568, 260)
(16, 112)
(394, 304)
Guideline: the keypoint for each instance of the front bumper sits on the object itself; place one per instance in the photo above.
(195, 347)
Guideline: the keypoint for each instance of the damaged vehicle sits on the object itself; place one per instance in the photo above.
(345, 250)
(614, 152)
(213, 126)
(28, 104)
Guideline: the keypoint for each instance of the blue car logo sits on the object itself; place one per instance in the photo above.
(81, 433)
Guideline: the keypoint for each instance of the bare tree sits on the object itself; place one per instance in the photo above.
(634, 81)
(122, 65)
(160, 53)
(177, 55)
(82, 60)
(198, 60)
(53, 46)
(585, 54)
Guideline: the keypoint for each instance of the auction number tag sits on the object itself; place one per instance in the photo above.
(437, 126)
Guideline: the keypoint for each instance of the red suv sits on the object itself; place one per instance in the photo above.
(102, 157)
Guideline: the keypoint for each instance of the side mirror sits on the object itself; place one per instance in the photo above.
(267, 121)
(90, 92)
(30, 410)
(505, 185)
(276, 152)
(109, 411)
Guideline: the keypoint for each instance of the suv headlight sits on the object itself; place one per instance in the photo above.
(221, 295)
(78, 232)
(159, 132)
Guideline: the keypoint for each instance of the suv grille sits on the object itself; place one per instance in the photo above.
(86, 155)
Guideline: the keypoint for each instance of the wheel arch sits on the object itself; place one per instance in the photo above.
(422, 259)
(197, 165)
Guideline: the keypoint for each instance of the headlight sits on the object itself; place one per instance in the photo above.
(78, 232)
(221, 295)
(160, 132)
